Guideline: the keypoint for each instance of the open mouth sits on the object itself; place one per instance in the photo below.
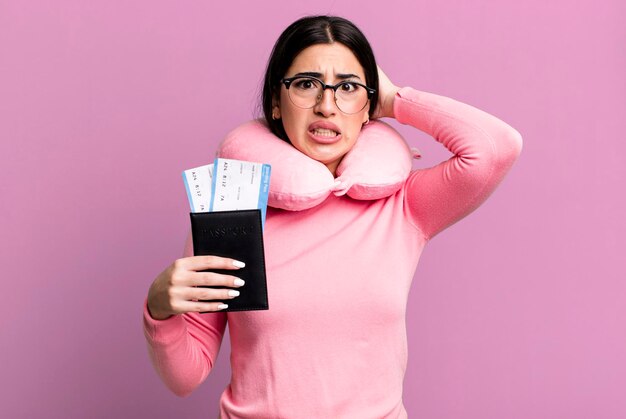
(324, 132)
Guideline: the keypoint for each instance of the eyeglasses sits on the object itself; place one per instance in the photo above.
(305, 92)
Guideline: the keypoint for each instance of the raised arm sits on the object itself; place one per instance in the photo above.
(183, 347)
(484, 149)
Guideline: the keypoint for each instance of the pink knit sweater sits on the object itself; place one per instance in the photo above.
(333, 343)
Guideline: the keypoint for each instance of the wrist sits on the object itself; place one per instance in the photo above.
(389, 103)
(386, 103)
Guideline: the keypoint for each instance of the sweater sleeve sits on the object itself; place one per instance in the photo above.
(183, 348)
(484, 149)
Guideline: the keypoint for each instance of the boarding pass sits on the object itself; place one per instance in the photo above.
(199, 184)
(229, 185)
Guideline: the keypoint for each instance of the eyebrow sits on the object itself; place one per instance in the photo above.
(341, 76)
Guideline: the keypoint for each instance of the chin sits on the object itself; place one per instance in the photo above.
(325, 157)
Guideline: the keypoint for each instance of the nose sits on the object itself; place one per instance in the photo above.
(326, 103)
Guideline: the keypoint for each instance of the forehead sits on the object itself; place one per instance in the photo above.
(327, 59)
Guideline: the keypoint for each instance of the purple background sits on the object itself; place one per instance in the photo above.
(516, 312)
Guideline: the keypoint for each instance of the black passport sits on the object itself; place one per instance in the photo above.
(238, 235)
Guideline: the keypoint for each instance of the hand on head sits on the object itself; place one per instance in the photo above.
(386, 94)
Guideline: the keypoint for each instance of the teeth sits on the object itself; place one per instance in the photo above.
(323, 132)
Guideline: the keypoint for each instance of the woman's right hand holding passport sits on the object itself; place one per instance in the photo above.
(180, 287)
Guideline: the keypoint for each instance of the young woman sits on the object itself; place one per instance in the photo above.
(333, 343)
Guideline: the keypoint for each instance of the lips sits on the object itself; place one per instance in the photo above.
(324, 132)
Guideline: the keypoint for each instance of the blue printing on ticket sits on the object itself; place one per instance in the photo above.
(266, 171)
(213, 184)
(188, 193)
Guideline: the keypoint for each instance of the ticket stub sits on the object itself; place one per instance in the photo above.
(239, 185)
(199, 185)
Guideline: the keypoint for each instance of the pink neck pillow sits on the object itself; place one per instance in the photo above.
(376, 167)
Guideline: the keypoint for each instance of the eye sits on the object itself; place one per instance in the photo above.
(305, 84)
(348, 87)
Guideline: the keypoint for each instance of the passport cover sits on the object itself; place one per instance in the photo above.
(238, 235)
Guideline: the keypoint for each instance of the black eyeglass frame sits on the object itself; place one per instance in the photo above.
(370, 92)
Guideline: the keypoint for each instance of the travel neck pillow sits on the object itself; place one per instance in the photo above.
(376, 166)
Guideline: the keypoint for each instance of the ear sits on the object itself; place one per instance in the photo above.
(275, 112)
(275, 108)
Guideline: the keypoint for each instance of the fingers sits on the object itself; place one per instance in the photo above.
(209, 279)
(201, 307)
(189, 287)
(210, 294)
(200, 263)
(196, 299)
(382, 77)
(176, 289)
(386, 95)
(212, 279)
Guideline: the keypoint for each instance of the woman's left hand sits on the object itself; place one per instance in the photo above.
(386, 95)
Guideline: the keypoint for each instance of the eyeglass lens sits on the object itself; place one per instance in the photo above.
(305, 92)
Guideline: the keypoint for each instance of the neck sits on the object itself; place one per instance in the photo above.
(333, 167)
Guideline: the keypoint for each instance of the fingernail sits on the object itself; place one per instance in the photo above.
(233, 293)
(239, 264)
(222, 306)
(239, 282)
